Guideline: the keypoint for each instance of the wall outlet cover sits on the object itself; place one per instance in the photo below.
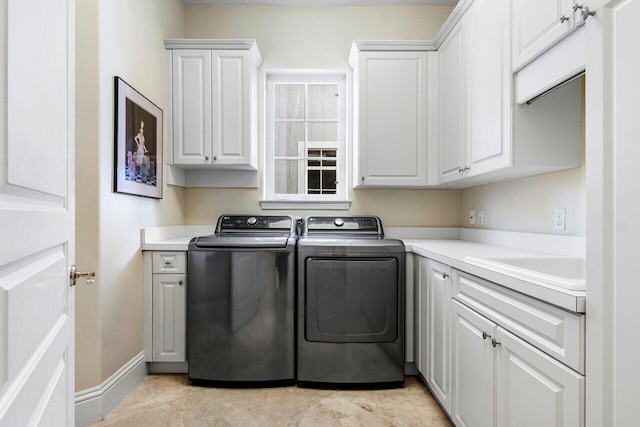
(559, 216)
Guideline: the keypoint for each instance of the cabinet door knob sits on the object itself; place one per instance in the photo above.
(485, 336)
(563, 19)
(167, 263)
(206, 158)
(180, 282)
(494, 343)
(363, 178)
(215, 158)
(445, 275)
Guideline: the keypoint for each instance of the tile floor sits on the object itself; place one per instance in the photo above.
(168, 400)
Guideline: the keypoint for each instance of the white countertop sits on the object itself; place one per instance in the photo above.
(454, 252)
(445, 248)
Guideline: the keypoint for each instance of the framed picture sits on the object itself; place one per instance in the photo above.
(138, 143)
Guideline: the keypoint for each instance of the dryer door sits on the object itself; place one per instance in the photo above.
(351, 300)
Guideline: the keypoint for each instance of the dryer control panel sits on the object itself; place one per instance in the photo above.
(367, 225)
(232, 223)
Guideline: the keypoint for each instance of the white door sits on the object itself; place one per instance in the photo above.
(169, 317)
(231, 107)
(488, 91)
(472, 368)
(537, 25)
(533, 389)
(191, 91)
(392, 123)
(452, 107)
(36, 212)
(613, 232)
(439, 332)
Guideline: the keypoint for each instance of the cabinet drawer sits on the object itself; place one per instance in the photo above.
(169, 262)
(557, 332)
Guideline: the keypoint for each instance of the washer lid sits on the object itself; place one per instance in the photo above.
(242, 241)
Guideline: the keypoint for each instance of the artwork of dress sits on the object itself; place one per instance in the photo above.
(138, 143)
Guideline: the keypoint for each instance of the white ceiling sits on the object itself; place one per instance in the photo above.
(325, 2)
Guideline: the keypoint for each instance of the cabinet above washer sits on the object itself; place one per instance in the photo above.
(213, 106)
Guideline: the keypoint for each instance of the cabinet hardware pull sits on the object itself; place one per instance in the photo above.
(180, 282)
(494, 343)
(584, 12)
(167, 263)
(215, 158)
(206, 158)
(445, 275)
(485, 336)
(563, 19)
(363, 178)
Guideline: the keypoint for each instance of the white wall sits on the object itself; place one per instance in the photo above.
(316, 38)
(115, 38)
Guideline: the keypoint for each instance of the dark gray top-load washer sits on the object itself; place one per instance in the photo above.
(350, 313)
(240, 301)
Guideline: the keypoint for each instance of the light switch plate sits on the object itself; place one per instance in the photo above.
(472, 217)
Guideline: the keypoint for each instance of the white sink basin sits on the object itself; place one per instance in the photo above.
(564, 272)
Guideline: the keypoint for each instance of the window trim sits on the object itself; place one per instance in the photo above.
(305, 201)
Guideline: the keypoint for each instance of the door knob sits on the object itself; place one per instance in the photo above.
(74, 274)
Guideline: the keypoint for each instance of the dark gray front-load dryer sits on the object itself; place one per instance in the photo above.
(350, 303)
(240, 301)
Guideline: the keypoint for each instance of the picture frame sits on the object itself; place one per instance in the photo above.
(138, 149)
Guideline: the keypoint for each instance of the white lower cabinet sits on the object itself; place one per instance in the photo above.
(495, 357)
(499, 379)
(165, 310)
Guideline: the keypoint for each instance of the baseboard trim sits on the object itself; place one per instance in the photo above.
(93, 404)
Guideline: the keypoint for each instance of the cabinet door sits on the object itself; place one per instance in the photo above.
(421, 276)
(392, 119)
(473, 368)
(533, 389)
(169, 317)
(488, 91)
(438, 330)
(452, 111)
(232, 102)
(536, 26)
(191, 107)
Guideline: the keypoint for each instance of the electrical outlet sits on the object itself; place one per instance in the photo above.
(480, 217)
(472, 217)
(559, 219)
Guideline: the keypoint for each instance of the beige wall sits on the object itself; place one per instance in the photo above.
(115, 38)
(528, 204)
(317, 38)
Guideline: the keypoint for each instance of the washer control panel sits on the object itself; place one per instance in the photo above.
(231, 223)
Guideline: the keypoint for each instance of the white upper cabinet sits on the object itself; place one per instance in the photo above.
(390, 109)
(483, 136)
(214, 103)
(538, 25)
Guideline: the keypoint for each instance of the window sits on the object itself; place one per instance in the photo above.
(305, 139)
